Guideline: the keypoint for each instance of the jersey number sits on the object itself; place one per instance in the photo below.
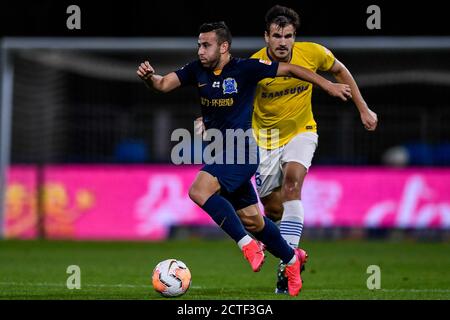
(258, 179)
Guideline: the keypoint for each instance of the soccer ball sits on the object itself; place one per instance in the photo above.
(171, 278)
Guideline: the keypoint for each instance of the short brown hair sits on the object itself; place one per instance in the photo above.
(282, 16)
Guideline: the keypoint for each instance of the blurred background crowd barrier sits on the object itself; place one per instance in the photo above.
(85, 146)
(144, 203)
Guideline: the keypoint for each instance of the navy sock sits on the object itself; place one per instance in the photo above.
(222, 212)
(274, 242)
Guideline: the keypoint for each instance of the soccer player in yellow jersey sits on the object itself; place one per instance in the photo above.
(284, 125)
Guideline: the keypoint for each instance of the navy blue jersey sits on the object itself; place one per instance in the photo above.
(226, 99)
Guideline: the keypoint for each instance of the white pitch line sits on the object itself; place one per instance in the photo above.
(382, 290)
(45, 284)
(119, 285)
(95, 285)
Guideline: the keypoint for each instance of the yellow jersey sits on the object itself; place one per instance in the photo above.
(284, 103)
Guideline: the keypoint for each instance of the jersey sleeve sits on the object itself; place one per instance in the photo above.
(324, 58)
(187, 74)
(258, 69)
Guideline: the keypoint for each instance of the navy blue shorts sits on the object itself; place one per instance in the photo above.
(234, 180)
(243, 197)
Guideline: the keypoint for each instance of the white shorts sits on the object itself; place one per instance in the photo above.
(270, 171)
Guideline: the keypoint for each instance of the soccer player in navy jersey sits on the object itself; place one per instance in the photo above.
(226, 87)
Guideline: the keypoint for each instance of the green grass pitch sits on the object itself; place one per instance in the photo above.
(122, 270)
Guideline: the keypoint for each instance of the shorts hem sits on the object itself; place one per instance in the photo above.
(248, 205)
(297, 161)
(222, 185)
(267, 192)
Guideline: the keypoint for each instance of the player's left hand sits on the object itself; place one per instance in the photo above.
(199, 127)
(369, 119)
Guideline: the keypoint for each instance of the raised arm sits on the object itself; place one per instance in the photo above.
(161, 83)
(339, 90)
(343, 75)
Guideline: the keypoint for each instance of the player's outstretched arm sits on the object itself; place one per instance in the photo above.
(161, 83)
(339, 90)
(368, 118)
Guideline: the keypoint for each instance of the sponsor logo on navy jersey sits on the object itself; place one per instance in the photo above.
(229, 86)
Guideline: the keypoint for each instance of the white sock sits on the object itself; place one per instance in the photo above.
(291, 225)
(244, 241)
(291, 262)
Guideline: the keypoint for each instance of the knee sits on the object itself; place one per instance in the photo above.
(203, 187)
(253, 224)
(197, 195)
(290, 190)
(273, 211)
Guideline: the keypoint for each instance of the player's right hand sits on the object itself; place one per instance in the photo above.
(340, 90)
(145, 71)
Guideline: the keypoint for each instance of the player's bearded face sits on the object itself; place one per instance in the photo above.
(208, 49)
(280, 41)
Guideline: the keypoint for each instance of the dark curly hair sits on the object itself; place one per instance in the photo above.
(220, 28)
(282, 16)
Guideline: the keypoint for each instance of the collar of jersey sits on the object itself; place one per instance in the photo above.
(218, 72)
